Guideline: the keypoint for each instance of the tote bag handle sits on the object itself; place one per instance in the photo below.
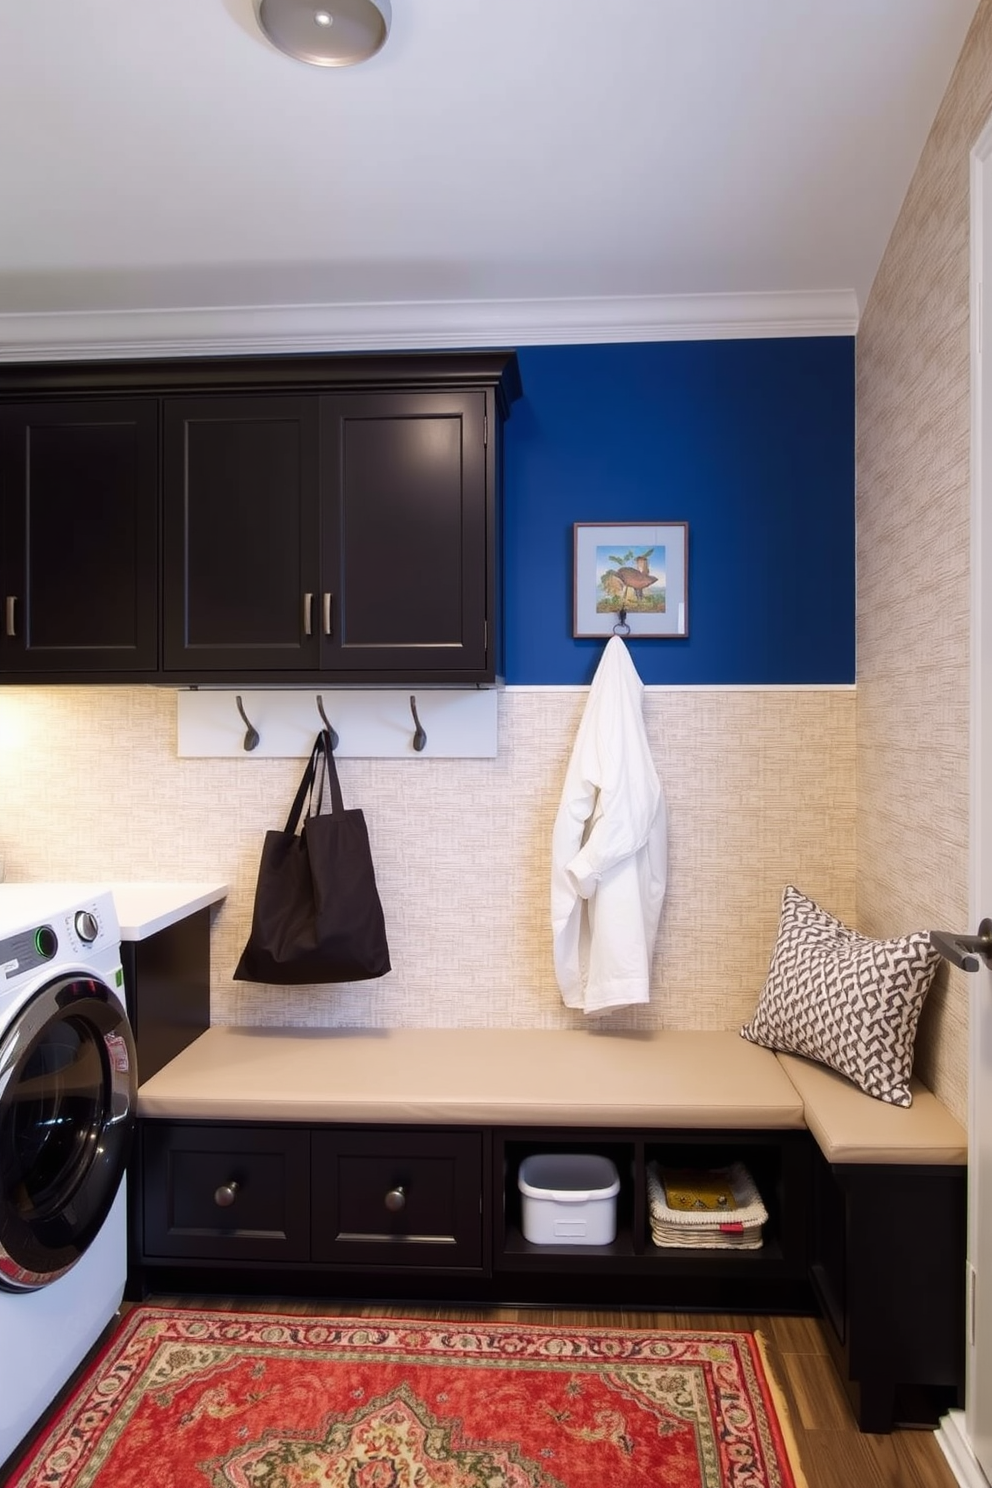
(322, 758)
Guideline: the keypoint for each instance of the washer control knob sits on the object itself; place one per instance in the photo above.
(87, 926)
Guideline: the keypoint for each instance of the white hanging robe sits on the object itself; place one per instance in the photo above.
(609, 848)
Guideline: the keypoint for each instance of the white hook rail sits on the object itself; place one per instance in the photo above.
(374, 724)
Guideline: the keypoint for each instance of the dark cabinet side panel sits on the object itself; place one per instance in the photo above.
(80, 536)
(167, 986)
(240, 530)
(406, 537)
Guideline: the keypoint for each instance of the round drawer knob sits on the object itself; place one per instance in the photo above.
(395, 1200)
(225, 1196)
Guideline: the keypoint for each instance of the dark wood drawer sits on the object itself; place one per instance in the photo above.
(226, 1192)
(403, 1197)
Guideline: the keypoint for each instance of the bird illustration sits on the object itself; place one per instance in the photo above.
(636, 579)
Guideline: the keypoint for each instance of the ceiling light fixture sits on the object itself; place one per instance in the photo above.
(330, 35)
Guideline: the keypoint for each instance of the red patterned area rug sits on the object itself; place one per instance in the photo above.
(182, 1398)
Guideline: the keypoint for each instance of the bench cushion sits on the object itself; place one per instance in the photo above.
(487, 1076)
(850, 1127)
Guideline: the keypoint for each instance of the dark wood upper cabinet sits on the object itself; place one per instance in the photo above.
(240, 518)
(304, 518)
(405, 537)
(79, 524)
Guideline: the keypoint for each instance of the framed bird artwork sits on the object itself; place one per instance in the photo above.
(631, 578)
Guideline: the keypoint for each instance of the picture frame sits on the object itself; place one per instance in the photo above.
(638, 568)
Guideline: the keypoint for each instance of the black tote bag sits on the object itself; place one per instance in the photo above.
(317, 915)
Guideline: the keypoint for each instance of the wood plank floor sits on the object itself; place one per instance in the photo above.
(833, 1452)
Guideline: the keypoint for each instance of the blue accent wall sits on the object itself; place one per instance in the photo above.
(750, 442)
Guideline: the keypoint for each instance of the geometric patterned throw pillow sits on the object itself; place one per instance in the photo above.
(843, 999)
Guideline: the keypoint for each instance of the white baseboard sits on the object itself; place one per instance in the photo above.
(952, 1438)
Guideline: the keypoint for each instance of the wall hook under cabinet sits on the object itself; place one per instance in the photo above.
(251, 737)
(375, 723)
(335, 741)
(420, 737)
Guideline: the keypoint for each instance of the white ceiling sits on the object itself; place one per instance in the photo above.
(503, 170)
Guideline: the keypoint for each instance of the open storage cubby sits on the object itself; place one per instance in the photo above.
(768, 1160)
(773, 1276)
(512, 1244)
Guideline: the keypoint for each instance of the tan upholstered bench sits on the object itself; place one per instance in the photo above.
(301, 1124)
(505, 1076)
(295, 1128)
(851, 1127)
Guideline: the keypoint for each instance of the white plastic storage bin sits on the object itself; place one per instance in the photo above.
(568, 1198)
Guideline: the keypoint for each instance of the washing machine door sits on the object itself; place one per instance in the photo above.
(68, 1089)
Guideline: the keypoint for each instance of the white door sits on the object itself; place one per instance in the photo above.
(978, 1412)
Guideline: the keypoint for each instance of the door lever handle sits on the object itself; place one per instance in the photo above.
(963, 951)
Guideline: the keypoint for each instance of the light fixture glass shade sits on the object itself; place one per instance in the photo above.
(337, 33)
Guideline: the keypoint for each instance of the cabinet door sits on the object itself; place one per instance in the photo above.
(407, 536)
(80, 536)
(240, 538)
(215, 1193)
(397, 1198)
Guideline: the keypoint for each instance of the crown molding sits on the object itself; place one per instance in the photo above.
(649, 687)
(426, 325)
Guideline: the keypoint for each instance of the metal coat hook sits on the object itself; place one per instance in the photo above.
(420, 737)
(251, 737)
(621, 628)
(335, 741)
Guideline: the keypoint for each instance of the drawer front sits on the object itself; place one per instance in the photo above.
(398, 1198)
(225, 1193)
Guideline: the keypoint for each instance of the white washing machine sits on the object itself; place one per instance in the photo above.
(68, 1086)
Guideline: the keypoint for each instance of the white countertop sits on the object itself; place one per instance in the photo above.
(142, 908)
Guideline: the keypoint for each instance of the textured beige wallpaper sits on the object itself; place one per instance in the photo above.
(913, 422)
(760, 791)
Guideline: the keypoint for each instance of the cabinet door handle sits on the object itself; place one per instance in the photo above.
(11, 602)
(225, 1196)
(963, 951)
(308, 614)
(327, 613)
(396, 1199)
